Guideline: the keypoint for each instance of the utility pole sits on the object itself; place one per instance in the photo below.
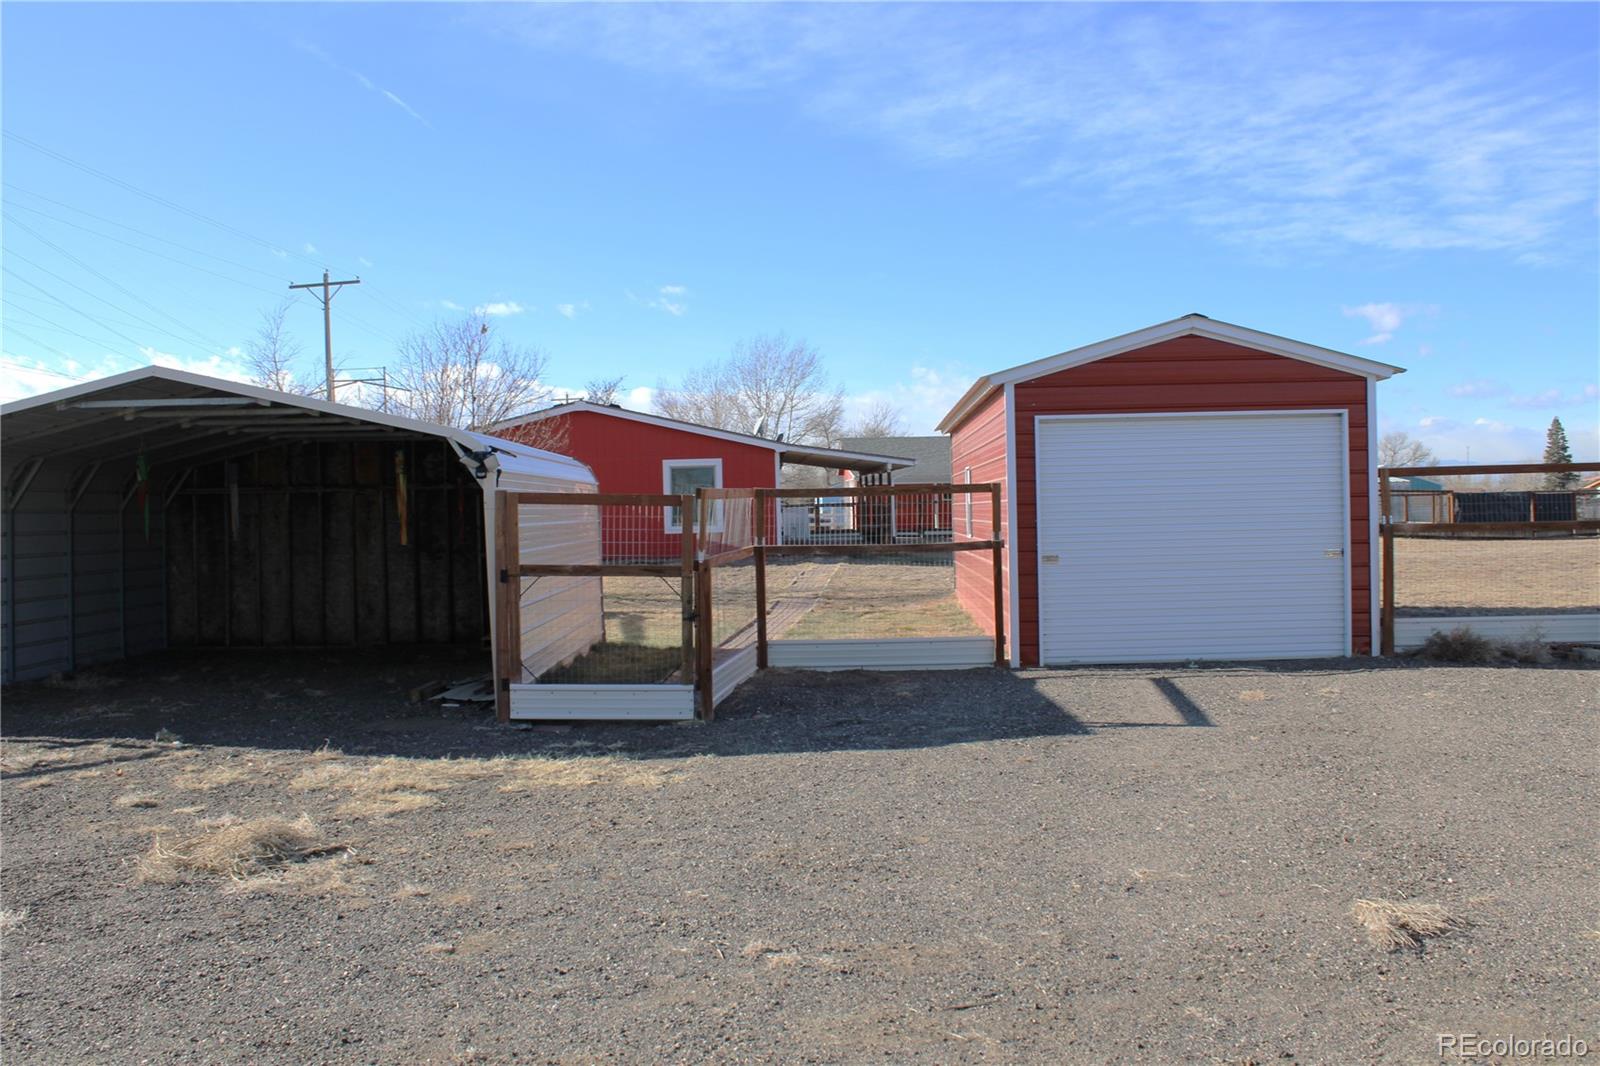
(329, 288)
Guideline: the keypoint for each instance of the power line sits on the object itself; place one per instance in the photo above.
(63, 303)
(149, 251)
(34, 340)
(153, 197)
(212, 341)
(131, 229)
(46, 323)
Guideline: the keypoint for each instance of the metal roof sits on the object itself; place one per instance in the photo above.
(804, 455)
(932, 455)
(167, 413)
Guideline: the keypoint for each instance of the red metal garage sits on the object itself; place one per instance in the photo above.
(1193, 490)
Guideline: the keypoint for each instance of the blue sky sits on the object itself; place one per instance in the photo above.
(925, 193)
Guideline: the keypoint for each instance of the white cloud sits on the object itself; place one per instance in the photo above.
(1305, 125)
(451, 305)
(572, 310)
(923, 397)
(668, 300)
(499, 308)
(642, 398)
(363, 260)
(1490, 440)
(361, 79)
(310, 249)
(215, 366)
(1481, 387)
(1383, 318)
(1557, 397)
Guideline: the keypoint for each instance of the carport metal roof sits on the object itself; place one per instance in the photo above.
(169, 414)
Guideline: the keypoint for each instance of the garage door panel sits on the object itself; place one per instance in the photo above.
(1174, 538)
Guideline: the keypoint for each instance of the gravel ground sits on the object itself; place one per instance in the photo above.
(1092, 865)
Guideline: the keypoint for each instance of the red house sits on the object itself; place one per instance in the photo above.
(630, 451)
(1193, 490)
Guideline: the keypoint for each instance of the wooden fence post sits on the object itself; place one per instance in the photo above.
(703, 609)
(1386, 538)
(760, 505)
(686, 587)
(999, 577)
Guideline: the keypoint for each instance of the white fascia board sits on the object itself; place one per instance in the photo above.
(1189, 325)
(779, 447)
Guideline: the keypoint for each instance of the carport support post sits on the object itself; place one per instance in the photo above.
(1386, 539)
(998, 553)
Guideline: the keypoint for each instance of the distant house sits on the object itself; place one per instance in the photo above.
(636, 452)
(1418, 499)
(914, 516)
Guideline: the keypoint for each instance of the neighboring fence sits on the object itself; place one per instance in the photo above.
(1508, 564)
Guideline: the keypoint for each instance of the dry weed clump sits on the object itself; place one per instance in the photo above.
(136, 799)
(532, 775)
(234, 848)
(1458, 645)
(1392, 925)
(392, 785)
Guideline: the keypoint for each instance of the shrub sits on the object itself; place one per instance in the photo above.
(1459, 645)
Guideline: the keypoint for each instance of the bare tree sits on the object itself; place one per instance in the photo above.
(1401, 449)
(769, 385)
(882, 419)
(602, 390)
(271, 354)
(458, 373)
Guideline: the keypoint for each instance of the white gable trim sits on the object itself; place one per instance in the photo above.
(779, 447)
(1189, 325)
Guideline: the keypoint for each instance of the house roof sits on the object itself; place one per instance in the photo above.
(932, 455)
(157, 407)
(804, 455)
(1189, 325)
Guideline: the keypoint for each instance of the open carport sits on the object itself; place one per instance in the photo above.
(163, 509)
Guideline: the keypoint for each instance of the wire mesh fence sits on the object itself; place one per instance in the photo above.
(857, 595)
(605, 588)
(1487, 553)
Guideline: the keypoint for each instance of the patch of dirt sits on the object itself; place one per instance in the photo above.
(1131, 864)
(1437, 576)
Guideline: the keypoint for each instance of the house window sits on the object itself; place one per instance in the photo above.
(681, 477)
(966, 499)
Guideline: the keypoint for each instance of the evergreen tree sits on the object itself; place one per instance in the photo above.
(1557, 450)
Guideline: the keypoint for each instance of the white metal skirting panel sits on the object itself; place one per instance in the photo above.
(731, 672)
(651, 703)
(906, 653)
(1182, 537)
(1410, 633)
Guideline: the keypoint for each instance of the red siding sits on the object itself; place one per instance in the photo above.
(1191, 374)
(626, 456)
(979, 442)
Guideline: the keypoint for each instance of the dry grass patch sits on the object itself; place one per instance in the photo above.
(533, 775)
(392, 785)
(136, 799)
(1392, 925)
(11, 919)
(323, 877)
(234, 848)
(1252, 695)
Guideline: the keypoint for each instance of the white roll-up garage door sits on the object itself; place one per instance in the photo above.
(1183, 537)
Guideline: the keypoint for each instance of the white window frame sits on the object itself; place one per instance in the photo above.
(967, 503)
(667, 467)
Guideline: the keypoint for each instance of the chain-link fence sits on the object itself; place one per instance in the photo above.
(1481, 552)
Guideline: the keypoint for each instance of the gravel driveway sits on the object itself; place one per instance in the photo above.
(1089, 865)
